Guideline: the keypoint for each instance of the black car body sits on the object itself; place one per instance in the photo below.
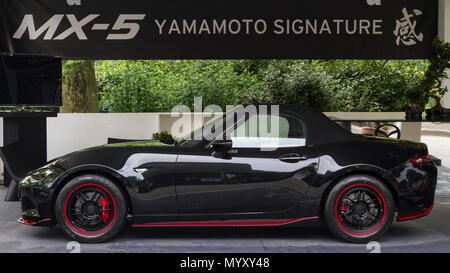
(192, 183)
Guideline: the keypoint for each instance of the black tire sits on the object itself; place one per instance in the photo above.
(359, 209)
(94, 201)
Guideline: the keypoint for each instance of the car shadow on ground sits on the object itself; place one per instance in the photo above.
(411, 237)
(228, 232)
(201, 232)
(318, 232)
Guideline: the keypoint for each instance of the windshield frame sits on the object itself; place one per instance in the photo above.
(191, 135)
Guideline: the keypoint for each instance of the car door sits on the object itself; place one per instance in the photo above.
(207, 184)
(281, 157)
(262, 173)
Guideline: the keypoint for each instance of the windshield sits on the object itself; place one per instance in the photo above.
(194, 134)
(218, 126)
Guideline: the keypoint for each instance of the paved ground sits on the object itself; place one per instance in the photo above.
(439, 146)
(443, 186)
(429, 234)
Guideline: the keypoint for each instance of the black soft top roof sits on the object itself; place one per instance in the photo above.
(319, 128)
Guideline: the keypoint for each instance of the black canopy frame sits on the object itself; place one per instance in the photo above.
(205, 29)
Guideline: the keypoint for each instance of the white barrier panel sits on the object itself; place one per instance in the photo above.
(72, 132)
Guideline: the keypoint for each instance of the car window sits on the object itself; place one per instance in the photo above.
(269, 131)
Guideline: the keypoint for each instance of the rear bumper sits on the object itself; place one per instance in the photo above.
(415, 186)
(415, 216)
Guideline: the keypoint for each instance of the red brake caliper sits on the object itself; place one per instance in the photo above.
(343, 209)
(104, 204)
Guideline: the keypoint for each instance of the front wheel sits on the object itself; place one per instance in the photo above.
(91, 209)
(359, 209)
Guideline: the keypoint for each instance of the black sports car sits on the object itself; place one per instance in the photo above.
(225, 174)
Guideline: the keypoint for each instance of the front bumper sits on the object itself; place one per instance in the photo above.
(40, 223)
(37, 197)
(36, 208)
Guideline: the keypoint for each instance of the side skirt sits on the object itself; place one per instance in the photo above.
(256, 222)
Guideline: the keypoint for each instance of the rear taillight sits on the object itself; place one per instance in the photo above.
(422, 160)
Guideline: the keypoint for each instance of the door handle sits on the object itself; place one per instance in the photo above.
(292, 158)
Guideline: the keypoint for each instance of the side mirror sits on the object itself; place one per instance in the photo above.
(223, 147)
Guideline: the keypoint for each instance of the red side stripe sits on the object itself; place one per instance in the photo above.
(279, 223)
(414, 216)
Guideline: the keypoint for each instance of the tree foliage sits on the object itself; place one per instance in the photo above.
(437, 72)
(354, 85)
(376, 86)
(157, 86)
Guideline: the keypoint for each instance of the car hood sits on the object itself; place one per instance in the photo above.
(112, 155)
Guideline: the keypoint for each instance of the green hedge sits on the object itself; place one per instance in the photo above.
(157, 86)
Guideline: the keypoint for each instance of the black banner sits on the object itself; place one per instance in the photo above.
(219, 29)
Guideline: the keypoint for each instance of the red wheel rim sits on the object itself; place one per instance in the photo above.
(90, 209)
(360, 209)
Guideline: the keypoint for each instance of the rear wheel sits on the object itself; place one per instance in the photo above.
(359, 209)
(91, 209)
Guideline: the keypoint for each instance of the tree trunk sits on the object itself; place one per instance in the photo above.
(79, 87)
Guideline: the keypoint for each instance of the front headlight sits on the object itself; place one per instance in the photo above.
(42, 173)
(45, 176)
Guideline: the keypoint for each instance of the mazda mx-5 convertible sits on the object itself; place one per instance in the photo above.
(244, 168)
